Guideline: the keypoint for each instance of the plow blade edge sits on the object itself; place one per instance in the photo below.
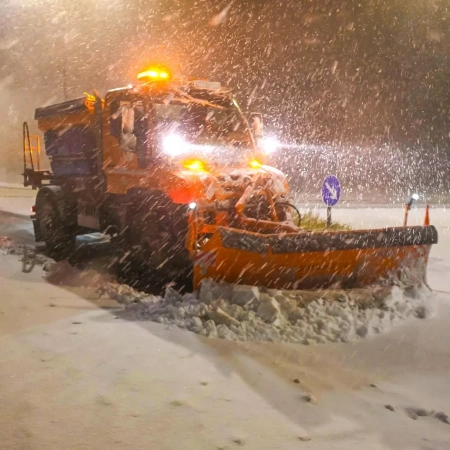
(310, 260)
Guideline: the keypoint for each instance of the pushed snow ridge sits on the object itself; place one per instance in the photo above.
(248, 313)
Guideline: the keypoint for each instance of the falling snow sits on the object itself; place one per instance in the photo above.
(355, 89)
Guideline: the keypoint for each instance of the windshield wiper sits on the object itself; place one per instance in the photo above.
(189, 99)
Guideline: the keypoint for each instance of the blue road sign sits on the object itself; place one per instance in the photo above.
(331, 190)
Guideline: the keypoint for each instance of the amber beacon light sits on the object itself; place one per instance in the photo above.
(155, 73)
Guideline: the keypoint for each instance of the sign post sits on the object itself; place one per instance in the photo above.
(331, 192)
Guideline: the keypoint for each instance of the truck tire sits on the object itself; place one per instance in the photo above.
(155, 242)
(163, 236)
(58, 237)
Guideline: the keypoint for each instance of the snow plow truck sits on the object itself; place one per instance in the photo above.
(174, 172)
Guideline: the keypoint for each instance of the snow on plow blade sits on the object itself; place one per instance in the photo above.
(310, 260)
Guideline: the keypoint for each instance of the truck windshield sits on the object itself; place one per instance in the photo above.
(201, 122)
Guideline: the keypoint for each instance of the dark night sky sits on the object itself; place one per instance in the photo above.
(354, 72)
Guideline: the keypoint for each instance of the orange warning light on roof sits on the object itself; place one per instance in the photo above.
(155, 74)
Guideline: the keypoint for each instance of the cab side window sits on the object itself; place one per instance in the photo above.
(127, 137)
(128, 122)
(121, 123)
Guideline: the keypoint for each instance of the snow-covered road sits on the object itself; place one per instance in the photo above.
(73, 374)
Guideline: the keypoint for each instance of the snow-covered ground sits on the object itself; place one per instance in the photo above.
(16, 200)
(75, 372)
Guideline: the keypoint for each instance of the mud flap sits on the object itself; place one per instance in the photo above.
(37, 230)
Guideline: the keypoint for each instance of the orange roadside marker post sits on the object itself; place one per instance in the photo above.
(426, 221)
(405, 217)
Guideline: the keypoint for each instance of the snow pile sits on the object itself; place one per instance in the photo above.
(27, 253)
(248, 313)
(124, 294)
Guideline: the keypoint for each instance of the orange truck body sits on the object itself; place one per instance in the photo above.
(109, 189)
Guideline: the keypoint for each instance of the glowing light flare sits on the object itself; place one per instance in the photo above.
(174, 145)
(155, 74)
(195, 165)
(255, 164)
(269, 144)
(413, 199)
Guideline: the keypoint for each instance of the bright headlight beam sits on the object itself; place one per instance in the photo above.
(269, 144)
(174, 145)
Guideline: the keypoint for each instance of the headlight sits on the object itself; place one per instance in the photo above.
(174, 145)
(269, 144)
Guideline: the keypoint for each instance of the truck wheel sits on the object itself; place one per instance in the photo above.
(58, 238)
(155, 245)
(162, 237)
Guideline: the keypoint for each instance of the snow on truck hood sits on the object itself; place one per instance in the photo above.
(214, 180)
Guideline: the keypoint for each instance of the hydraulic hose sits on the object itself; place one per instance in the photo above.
(294, 208)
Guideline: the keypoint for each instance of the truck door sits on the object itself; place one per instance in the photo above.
(124, 141)
(141, 133)
(127, 133)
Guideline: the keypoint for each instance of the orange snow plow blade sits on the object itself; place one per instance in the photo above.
(310, 260)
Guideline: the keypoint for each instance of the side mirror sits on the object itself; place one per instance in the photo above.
(115, 126)
(258, 126)
(115, 119)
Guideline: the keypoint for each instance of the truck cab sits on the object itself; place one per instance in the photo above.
(169, 169)
(152, 133)
(132, 164)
